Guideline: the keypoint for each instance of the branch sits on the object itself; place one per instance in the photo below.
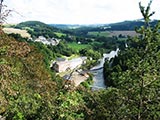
(145, 12)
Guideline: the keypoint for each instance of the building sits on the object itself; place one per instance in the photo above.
(61, 66)
(49, 41)
(64, 65)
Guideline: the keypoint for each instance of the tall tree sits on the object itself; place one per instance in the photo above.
(146, 12)
(135, 73)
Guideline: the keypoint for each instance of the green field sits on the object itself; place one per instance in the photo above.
(59, 34)
(77, 46)
(122, 39)
(101, 33)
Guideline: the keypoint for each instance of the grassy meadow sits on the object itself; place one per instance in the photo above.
(77, 46)
(101, 33)
(59, 34)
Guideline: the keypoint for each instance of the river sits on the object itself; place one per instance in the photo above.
(97, 71)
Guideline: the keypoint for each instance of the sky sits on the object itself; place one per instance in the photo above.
(78, 11)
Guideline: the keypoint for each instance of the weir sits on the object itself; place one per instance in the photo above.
(96, 69)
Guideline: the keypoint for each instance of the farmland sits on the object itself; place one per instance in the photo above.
(78, 47)
(59, 34)
(23, 33)
(100, 33)
(113, 33)
(124, 33)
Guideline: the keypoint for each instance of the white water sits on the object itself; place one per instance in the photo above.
(98, 74)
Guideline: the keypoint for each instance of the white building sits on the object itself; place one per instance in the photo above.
(50, 41)
(61, 66)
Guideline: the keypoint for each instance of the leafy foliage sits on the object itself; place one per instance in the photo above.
(22, 74)
(135, 72)
(28, 89)
(62, 49)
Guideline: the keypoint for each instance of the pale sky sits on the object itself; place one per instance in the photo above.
(78, 11)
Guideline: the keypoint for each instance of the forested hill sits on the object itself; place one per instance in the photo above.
(129, 25)
(119, 26)
(35, 24)
(37, 28)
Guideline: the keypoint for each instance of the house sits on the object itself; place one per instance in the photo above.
(64, 65)
(49, 41)
(61, 66)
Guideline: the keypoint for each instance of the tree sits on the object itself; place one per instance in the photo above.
(135, 73)
(145, 12)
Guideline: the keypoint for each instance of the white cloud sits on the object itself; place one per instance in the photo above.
(78, 11)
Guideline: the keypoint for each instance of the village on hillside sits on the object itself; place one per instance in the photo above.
(49, 41)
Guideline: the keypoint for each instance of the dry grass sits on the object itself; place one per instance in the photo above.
(23, 33)
(124, 33)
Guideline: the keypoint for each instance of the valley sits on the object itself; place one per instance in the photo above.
(79, 71)
(70, 45)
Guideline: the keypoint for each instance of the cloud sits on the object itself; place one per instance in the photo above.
(77, 11)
